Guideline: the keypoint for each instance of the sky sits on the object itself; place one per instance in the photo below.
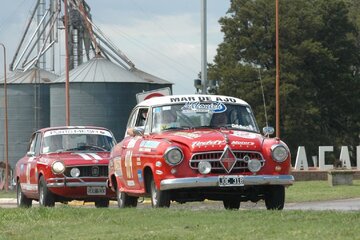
(161, 37)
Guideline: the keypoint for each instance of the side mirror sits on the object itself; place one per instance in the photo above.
(30, 154)
(267, 131)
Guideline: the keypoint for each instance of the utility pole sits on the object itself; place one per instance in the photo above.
(277, 83)
(6, 126)
(203, 48)
(67, 95)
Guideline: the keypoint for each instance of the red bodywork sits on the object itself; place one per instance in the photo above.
(32, 167)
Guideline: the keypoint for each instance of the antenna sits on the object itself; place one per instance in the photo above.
(263, 96)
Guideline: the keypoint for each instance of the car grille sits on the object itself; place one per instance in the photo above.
(216, 167)
(89, 171)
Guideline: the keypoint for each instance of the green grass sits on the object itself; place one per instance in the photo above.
(79, 222)
(66, 222)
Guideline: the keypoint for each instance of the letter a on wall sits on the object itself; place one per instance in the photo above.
(301, 159)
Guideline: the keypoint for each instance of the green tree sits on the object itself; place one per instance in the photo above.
(319, 91)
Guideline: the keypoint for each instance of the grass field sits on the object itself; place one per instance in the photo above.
(69, 222)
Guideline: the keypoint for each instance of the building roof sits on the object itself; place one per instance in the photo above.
(101, 70)
(31, 76)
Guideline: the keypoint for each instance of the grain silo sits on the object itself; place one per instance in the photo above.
(28, 109)
(101, 93)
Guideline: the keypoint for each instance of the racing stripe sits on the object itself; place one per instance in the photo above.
(84, 156)
(94, 155)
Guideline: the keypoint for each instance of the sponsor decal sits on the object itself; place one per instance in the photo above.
(117, 166)
(130, 183)
(242, 143)
(158, 164)
(208, 143)
(212, 107)
(187, 135)
(77, 131)
(144, 149)
(158, 172)
(139, 174)
(138, 161)
(242, 126)
(244, 134)
(202, 98)
(149, 144)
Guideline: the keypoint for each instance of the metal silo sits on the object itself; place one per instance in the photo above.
(101, 94)
(28, 109)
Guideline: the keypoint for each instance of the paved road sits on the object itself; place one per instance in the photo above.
(340, 205)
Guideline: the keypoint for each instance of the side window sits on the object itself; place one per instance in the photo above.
(32, 143)
(141, 117)
(37, 143)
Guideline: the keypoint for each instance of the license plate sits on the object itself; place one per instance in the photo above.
(231, 180)
(96, 190)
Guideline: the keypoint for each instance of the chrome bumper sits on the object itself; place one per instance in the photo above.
(213, 181)
(70, 182)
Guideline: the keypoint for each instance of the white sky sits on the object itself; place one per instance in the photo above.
(162, 37)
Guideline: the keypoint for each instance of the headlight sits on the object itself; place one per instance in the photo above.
(279, 153)
(173, 156)
(204, 167)
(254, 165)
(75, 172)
(58, 167)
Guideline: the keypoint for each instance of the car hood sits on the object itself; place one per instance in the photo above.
(211, 140)
(78, 158)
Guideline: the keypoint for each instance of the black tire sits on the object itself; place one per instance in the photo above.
(21, 199)
(124, 200)
(102, 203)
(158, 198)
(46, 198)
(231, 204)
(275, 197)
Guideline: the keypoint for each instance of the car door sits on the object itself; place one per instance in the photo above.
(132, 170)
(31, 166)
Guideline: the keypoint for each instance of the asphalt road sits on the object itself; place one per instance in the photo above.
(337, 205)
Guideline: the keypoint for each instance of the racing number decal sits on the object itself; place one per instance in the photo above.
(28, 169)
(128, 164)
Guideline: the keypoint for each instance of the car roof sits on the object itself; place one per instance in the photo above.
(173, 99)
(71, 127)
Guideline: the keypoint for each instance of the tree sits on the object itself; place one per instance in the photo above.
(319, 91)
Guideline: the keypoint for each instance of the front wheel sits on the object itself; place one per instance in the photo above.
(231, 204)
(158, 198)
(21, 199)
(275, 197)
(124, 200)
(46, 198)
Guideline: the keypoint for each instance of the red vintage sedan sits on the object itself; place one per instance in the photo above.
(64, 164)
(196, 147)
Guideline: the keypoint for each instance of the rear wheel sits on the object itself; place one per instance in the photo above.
(275, 197)
(103, 203)
(21, 199)
(158, 198)
(46, 198)
(124, 200)
(231, 204)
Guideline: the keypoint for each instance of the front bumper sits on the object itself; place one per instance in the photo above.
(74, 182)
(213, 181)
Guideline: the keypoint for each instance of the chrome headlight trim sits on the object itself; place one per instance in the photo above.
(279, 152)
(173, 156)
(58, 167)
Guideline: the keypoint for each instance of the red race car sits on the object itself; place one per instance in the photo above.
(196, 147)
(64, 164)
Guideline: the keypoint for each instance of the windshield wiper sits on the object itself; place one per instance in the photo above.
(177, 128)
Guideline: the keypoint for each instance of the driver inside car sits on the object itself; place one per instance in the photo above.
(164, 120)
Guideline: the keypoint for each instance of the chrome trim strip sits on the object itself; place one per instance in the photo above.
(77, 184)
(213, 181)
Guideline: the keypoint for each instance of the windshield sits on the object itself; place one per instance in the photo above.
(67, 140)
(203, 114)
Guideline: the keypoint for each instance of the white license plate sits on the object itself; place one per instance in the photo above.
(96, 190)
(231, 180)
